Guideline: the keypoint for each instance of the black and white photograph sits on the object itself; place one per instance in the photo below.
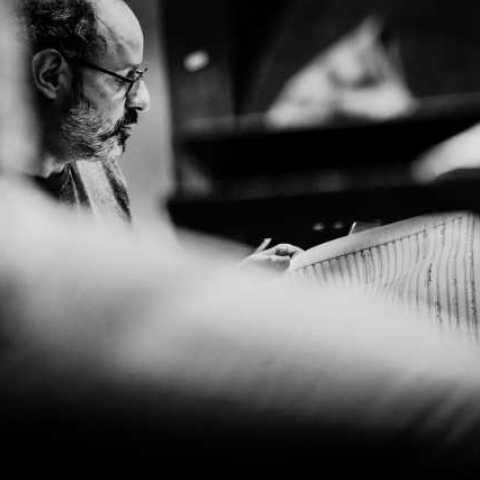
(240, 237)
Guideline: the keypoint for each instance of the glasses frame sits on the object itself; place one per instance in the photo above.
(140, 73)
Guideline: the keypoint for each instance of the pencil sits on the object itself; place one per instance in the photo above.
(263, 245)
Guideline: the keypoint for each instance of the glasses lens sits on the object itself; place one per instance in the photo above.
(139, 74)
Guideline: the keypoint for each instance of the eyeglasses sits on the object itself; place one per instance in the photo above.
(131, 82)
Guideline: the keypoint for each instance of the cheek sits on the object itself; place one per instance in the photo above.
(113, 112)
(109, 104)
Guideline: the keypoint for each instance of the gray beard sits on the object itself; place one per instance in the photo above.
(85, 136)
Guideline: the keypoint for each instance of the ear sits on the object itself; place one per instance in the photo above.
(51, 73)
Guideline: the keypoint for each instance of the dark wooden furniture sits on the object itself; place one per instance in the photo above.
(238, 178)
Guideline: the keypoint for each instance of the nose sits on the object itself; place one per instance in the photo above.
(139, 97)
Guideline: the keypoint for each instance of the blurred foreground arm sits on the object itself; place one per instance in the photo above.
(113, 345)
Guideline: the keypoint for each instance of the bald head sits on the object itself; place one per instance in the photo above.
(76, 27)
(120, 29)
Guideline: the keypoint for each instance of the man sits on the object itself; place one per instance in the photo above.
(152, 357)
(86, 67)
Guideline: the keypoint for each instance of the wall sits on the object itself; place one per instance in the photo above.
(147, 162)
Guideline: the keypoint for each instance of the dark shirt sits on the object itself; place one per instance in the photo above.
(97, 186)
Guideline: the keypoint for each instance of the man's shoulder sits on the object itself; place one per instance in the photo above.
(54, 184)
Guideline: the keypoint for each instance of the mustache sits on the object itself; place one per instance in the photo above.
(130, 118)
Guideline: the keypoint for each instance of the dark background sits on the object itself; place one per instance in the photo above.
(238, 179)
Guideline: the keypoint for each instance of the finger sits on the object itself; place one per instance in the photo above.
(286, 250)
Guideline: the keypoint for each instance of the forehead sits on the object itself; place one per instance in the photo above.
(122, 31)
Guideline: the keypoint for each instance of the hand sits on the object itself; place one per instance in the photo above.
(274, 259)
